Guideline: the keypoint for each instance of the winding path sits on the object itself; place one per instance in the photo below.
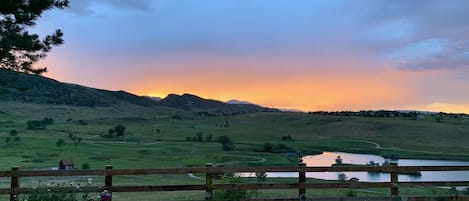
(377, 146)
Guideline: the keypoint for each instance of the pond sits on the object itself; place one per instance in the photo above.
(328, 158)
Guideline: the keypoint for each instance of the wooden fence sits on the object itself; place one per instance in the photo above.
(302, 185)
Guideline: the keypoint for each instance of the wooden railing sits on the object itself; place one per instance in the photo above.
(302, 185)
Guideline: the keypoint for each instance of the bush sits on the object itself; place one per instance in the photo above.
(261, 176)
(228, 144)
(233, 194)
(60, 143)
(268, 147)
(208, 138)
(199, 137)
(85, 166)
(47, 121)
(351, 193)
(35, 125)
(13, 133)
(287, 138)
(224, 139)
(82, 122)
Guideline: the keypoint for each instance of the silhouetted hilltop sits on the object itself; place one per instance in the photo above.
(208, 106)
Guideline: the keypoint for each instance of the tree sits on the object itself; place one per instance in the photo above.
(119, 130)
(199, 137)
(341, 177)
(20, 49)
(13, 133)
(60, 143)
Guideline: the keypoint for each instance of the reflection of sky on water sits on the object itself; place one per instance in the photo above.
(328, 158)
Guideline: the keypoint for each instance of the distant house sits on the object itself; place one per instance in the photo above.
(66, 164)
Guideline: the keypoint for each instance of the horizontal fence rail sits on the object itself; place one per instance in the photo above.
(15, 174)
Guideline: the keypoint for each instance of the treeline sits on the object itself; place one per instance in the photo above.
(390, 113)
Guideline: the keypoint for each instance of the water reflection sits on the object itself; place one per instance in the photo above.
(328, 158)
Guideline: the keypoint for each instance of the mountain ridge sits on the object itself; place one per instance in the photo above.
(209, 106)
(16, 86)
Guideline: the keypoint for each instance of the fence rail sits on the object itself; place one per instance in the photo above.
(15, 174)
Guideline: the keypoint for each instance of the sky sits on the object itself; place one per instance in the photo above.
(308, 55)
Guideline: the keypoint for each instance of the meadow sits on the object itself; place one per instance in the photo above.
(158, 137)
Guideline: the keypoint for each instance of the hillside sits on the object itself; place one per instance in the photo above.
(27, 88)
(211, 107)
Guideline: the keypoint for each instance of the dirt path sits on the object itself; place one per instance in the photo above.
(377, 146)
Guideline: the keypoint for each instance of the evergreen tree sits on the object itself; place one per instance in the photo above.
(20, 49)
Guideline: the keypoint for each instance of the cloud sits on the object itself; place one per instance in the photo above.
(415, 35)
(88, 7)
(432, 54)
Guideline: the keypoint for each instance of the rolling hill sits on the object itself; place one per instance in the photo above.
(28, 88)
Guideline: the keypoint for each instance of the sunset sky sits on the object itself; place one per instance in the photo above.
(303, 54)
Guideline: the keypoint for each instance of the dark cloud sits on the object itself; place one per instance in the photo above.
(451, 55)
(414, 22)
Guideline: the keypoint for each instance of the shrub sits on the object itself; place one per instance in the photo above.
(13, 133)
(60, 143)
(351, 193)
(208, 138)
(233, 194)
(261, 176)
(287, 138)
(85, 166)
(229, 146)
(199, 137)
(35, 125)
(268, 147)
(47, 121)
(82, 122)
(176, 116)
(224, 139)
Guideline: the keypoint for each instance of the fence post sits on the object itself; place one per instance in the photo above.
(108, 179)
(394, 180)
(15, 184)
(208, 182)
(301, 182)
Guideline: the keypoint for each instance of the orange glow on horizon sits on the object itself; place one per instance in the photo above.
(308, 85)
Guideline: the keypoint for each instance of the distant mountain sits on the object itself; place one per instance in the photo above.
(15, 86)
(156, 99)
(211, 107)
(237, 102)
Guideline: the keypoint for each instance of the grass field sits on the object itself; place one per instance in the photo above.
(156, 137)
